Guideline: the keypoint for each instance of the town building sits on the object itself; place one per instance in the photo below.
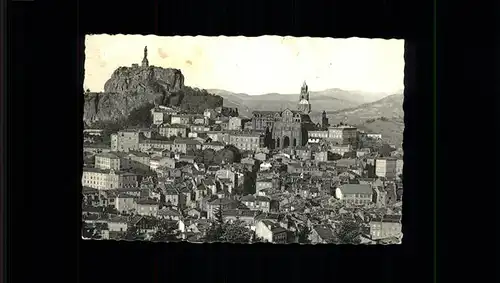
(125, 203)
(124, 141)
(247, 140)
(219, 136)
(270, 231)
(317, 136)
(108, 161)
(162, 114)
(263, 184)
(147, 207)
(215, 145)
(210, 113)
(235, 124)
(386, 167)
(108, 179)
(385, 227)
(323, 156)
(246, 216)
(261, 203)
(173, 130)
(181, 119)
(343, 135)
(321, 234)
(220, 203)
(355, 194)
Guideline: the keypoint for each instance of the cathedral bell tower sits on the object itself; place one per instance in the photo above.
(304, 105)
(145, 62)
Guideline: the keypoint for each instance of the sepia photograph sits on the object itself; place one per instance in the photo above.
(270, 139)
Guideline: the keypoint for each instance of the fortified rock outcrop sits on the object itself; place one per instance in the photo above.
(132, 87)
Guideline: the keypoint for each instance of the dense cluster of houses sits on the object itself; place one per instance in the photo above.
(152, 175)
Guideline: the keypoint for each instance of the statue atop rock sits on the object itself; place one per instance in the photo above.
(145, 62)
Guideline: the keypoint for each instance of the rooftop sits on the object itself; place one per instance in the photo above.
(107, 155)
(147, 202)
(174, 126)
(222, 201)
(240, 213)
(326, 233)
(356, 189)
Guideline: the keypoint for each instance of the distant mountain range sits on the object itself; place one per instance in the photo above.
(390, 107)
(328, 100)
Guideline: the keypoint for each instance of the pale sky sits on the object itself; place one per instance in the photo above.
(255, 65)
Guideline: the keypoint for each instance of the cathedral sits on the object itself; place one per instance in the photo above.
(288, 127)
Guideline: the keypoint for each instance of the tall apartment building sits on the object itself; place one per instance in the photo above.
(125, 141)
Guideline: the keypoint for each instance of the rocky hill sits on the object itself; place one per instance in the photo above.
(131, 87)
(328, 100)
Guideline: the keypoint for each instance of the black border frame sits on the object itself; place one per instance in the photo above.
(47, 52)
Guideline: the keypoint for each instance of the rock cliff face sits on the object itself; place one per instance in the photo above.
(140, 80)
(132, 87)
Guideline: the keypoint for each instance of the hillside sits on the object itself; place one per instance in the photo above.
(324, 100)
(129, 88)
(385, 116)
(390, 107)
(391, 130)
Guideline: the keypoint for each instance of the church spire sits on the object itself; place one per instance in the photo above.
(304, 105)
(145, 62)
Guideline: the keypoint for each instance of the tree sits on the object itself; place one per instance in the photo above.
(347, 233)
(132, 234)
(229, 154)
(303, 234)
(236, 233)
(141, 116)
(216, 230)
(208, 156)
(249, 182)
(336, 156)
(167, 232)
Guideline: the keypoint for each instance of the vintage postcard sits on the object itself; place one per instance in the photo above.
(243, 139)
